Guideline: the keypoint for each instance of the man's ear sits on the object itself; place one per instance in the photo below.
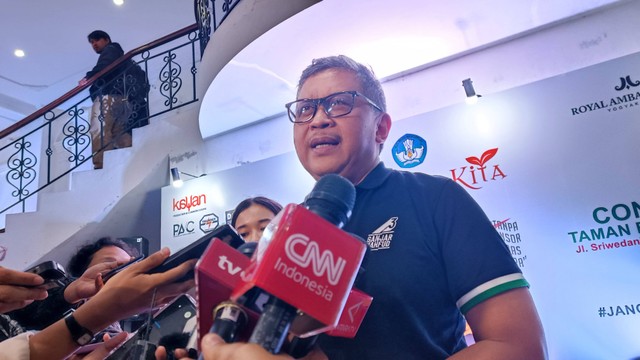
(384, 126)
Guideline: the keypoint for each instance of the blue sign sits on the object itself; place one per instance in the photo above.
(409, 151)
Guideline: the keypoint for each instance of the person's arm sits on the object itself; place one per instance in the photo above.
(17, 291)
(104, 348)
(128, 293)
(505, 326)
(40, 314)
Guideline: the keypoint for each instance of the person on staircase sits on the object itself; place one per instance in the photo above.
(111, 108)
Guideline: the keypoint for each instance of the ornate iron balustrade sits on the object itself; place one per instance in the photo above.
(54, 141)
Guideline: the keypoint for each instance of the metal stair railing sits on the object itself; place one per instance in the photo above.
(54, 141)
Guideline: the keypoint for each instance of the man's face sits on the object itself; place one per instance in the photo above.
(109, 253)
(98, 44)
(347, 145)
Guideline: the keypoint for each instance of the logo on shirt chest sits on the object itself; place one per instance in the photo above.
(380, 238)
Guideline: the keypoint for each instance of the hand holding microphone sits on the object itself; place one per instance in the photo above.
(214, 348)
(307, 265)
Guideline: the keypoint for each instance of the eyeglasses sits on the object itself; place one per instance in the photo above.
(334, 105)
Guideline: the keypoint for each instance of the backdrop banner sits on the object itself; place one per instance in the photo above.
(554, 164)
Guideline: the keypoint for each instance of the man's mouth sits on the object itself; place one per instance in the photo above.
(324, 142)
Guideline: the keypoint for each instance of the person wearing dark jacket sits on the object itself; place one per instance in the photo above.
(111, 108)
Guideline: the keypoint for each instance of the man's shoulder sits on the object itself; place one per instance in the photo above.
(114, 47)
(115, 44)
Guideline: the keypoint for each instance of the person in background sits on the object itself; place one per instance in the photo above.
(111, 109)
(252, 215)
(102, 250)
(89, 261)
(130, 292)
(442, 260)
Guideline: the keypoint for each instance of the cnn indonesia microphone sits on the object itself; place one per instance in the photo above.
(307, 265)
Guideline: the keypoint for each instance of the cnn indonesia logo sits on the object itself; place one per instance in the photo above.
(305, 253)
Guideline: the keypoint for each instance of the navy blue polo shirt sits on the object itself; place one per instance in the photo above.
(433, 255)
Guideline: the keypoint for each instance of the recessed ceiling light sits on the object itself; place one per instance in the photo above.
(118, 2)
(19, 52)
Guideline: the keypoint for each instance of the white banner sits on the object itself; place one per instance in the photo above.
(554, 164)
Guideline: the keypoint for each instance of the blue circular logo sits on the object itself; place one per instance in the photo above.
(409, 151)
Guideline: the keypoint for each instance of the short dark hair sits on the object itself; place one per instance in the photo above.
(371, 86)
(79, 262)
(271, 205)
(97, 35)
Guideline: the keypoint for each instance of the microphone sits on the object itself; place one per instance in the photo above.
(229, 317)
(307, 264)
(217, 273)
(356, 307)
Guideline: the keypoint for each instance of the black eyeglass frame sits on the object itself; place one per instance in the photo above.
(321, 101)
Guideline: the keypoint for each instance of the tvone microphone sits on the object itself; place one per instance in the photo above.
(307, 265)
(229, 316)
(217, 273)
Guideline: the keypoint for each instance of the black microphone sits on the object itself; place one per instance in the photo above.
(229, 317)
(332, 199)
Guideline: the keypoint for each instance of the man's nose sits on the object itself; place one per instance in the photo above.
(320, 119)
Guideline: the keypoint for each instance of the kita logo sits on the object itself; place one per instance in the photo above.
(472, 179)
(627, 83)
(226, 265)
(304, 252)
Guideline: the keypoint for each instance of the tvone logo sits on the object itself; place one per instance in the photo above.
(304, 252)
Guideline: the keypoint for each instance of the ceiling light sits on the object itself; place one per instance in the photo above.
(118, 2)
(19, 52)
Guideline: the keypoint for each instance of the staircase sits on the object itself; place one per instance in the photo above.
(123, 198)
(120, 200)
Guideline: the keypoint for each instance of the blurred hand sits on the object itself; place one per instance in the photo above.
(131, 291)
(89, 283)
(161, 353)
(214, 348)
(104, 348)
(17, 291)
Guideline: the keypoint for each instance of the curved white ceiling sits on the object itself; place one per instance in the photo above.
(391, 36)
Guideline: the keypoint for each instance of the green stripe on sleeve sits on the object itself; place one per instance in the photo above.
(490, 289)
